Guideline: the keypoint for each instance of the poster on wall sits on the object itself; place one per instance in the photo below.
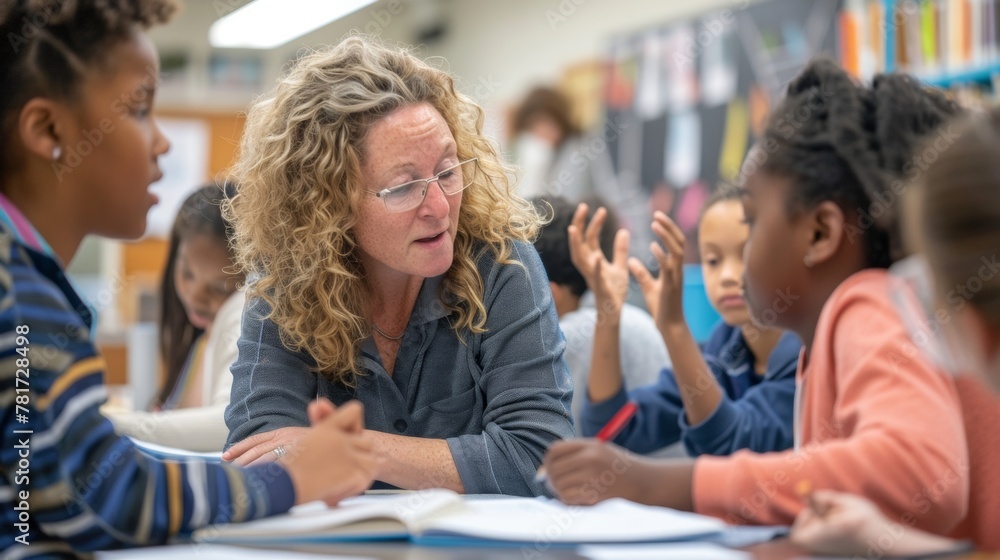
(185, 167)
(721, 74)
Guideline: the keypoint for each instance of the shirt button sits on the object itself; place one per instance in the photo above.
(400, 425)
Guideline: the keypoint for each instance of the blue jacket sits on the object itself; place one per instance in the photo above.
(755, 413)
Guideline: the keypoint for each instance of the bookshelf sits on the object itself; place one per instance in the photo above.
(945, 43)
(981, 75)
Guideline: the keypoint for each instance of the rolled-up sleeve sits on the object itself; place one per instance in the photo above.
(527, 385)
(272, 386)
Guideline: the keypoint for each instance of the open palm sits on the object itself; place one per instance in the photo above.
(607, 279)
(663, 294)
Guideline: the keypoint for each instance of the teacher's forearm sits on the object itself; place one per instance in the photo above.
(413, 463)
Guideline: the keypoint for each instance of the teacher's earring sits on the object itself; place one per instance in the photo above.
(57, 153)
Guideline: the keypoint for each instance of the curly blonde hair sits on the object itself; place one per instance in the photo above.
(301, 188)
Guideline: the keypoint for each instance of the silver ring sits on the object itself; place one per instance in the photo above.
(279, 451)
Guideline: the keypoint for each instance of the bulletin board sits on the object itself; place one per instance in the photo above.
(690, 97)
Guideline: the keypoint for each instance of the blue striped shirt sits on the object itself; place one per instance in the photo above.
(68, 483)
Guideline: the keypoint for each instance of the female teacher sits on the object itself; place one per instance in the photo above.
(391, 262)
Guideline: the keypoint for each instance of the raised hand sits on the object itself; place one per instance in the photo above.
(664, 294)
(608, 280)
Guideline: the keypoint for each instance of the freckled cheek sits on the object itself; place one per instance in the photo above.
(456, 210)
(388, 237)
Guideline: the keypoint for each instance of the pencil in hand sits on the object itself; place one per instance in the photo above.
(609, 432)
(805, 491)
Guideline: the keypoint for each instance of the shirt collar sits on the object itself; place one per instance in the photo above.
(735, 353)
(15, 222)
(785, 352)
(428, 306)
(18, 224)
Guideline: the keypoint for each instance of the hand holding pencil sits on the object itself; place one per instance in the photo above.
(587, 471)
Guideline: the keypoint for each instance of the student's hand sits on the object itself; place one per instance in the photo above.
(664, 294)
(835, 523)
(335, 458)
(588, 471)
(608, 280)
(839, 524)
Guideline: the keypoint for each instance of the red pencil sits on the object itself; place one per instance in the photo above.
(607, 433)
(617, 422)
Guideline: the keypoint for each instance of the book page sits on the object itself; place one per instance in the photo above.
(210, 552)
(541, 520)
(363, 516)
(173, 453)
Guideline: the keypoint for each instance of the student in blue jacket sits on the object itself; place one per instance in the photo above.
(735, 394)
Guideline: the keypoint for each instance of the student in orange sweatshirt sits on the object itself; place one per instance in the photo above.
(948, 294)
(874, 419)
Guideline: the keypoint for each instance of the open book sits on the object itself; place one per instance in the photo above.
(164, 452)
(442, 517)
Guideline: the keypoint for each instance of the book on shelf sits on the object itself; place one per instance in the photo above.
(937, 40)
(442, 517)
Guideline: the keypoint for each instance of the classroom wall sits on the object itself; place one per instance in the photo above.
(509, 46)
(498, 49)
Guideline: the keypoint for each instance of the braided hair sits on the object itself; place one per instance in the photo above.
(49, 46)
(853, 145)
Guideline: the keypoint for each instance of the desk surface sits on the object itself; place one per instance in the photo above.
(780, 549)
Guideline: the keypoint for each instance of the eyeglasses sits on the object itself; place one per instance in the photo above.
(912, 291)
(408, 196)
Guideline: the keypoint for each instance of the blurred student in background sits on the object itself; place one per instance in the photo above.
(643, 352)
(559, 160)
(738, 392)
(199, 327)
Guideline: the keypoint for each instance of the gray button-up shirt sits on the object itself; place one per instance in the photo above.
(499, 399)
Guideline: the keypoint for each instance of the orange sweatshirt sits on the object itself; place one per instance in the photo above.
(981, 409)
(876, 420)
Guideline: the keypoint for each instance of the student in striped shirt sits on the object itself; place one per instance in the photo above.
(77, 81)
